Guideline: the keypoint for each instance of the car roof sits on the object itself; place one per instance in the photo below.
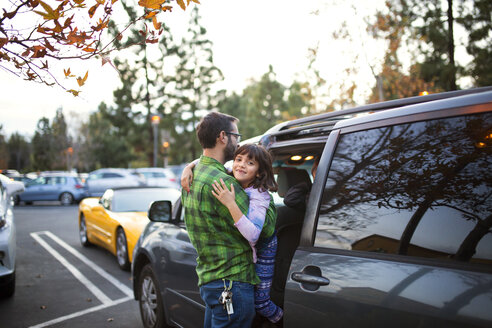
(449, 103)
(316, 128)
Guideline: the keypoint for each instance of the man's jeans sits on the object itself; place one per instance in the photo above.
(243, 304)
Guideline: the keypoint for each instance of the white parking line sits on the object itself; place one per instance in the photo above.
(127, 291)
(105, 300)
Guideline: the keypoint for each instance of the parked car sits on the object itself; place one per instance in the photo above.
(116, 220)
(177, 170)
(8, 189)
(396, 230)
(158, 177)
(99, 180)
(64, 187)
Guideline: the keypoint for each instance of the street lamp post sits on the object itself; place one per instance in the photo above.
(155, 123)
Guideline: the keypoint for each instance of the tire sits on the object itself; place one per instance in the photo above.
(122, 250)
(66, 198)
(150, 299)
(84, 240)
(8, 290)
(16, 200)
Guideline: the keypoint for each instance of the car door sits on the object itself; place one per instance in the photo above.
(52, 188)
(396, 228)
(100, 220)
(178, 262)
(35, 190)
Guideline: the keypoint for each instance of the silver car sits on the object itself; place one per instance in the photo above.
(99, 180)
(8, 189)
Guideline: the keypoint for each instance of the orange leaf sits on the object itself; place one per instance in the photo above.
(195, 1)
(181, 4)
(75, 93)
(39, 51)
(93, 9)
(151, 4)
(89, 49)
(79, 2)
(167, 8)
(157, 25)
(81, 81)
(150, 14)
(68, 73)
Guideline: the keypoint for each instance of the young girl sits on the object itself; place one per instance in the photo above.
(252, 168)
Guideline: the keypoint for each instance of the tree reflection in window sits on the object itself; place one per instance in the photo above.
(403, 189)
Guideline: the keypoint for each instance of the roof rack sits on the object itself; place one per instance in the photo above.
(321, 123)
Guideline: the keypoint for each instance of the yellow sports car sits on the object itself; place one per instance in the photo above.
(116, 220)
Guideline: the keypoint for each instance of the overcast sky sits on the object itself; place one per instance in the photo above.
(248, 36)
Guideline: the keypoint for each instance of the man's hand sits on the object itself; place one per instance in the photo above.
(187, 176)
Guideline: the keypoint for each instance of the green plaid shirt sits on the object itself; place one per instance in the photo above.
(222, 251)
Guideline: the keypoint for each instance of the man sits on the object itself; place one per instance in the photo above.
(224, 263)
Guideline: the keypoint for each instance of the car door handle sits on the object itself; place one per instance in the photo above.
(310, 279)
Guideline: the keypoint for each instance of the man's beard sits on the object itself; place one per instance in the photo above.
(229, 150)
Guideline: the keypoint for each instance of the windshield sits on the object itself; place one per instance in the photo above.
(136, 200)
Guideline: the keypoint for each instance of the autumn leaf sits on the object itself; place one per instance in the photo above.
(81, 81)
(75, 93)
(157, 25)
(68, 73)
(48, 45)
(150, 14)
(8, 15)
(79, 2)
(39, 51)
(181, 4)
(151, 4)
(50, 13)
(45, 65)
(93, 9)
(89, 49)
(151, 41)
(3, 41)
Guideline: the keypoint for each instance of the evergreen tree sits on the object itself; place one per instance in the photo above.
(103, 145)
(61, 140)
(19, 152)
(4, 152)
(43, 154)
(193, 96)
(145, 79)
(475, 17)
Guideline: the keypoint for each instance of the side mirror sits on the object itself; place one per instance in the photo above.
(160, 211)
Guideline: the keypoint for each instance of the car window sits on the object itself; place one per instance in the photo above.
(60, 180)
(111, 175)
(422, 189)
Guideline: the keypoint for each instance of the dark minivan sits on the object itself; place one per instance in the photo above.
(396, 231)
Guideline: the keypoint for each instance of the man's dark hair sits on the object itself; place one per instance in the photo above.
(210, 127)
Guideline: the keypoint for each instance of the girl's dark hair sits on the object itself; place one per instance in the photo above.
(265, 180)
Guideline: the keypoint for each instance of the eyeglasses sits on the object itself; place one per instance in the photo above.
(237, 135)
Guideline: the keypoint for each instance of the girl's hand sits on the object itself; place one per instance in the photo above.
(224, 195)
(187, 177)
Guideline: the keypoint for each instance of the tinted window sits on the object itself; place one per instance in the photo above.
(111, 175)
(422, 189)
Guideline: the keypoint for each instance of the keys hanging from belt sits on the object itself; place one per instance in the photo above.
(226, 298)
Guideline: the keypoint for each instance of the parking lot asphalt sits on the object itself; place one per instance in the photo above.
(60, 283)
